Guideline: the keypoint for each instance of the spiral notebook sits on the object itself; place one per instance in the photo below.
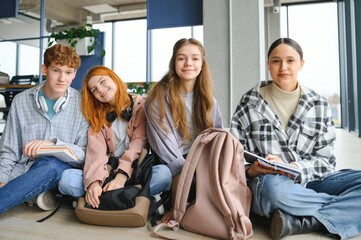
(292, 172)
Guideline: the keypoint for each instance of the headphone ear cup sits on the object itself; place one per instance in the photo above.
(111, 116)
(59, 104)
(42, 104)
(127, 114)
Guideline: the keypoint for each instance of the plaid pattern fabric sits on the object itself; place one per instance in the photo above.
(26, 122)
(308, 140)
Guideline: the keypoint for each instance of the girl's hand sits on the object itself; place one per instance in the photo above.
(257, 169)
(274, 158)
(117, 182)
(92, 194)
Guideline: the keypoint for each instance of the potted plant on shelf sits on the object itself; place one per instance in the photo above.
(140, 88)
(82, 38)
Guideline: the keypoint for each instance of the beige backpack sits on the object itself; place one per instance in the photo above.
(222, 200)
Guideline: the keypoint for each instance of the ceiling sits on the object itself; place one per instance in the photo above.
(63, 14)
(72, 12)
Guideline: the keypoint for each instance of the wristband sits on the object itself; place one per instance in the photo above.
(122, 172)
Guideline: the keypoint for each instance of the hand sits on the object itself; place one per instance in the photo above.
(274, 158)
(31, 149)
(256, 169)
(92, 194)
(117, 182)
(2, 184)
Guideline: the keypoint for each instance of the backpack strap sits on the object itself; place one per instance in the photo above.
(218, 171)
(188, 170)
(55, 209)
(169, 225)
(184, 183)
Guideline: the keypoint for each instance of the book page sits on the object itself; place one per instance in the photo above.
(61, 152)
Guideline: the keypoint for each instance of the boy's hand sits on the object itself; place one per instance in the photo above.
(31, 149)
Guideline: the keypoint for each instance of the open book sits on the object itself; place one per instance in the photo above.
(61, 152)
(290, 171)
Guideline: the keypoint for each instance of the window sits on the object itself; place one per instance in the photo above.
(161, 47)
(318, 36)
(8, 63)
(129, 50)
(28, 60)
(108, 41)
(126, 48)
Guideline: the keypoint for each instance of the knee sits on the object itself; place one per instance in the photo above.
(66, 177)
(64, 182)
(71, 183)
(165, 177)
(52, 164)
(273, 188)
(161, 177)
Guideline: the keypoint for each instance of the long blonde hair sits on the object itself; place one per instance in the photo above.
(171, 85)
(94, 110)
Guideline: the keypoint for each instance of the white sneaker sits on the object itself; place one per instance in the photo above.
(75, 202)
(46, 200)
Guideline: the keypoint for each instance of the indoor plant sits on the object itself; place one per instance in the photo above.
(73, 35)
(140, 88)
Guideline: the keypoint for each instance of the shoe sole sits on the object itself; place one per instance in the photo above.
(45, 202)
(276, 226)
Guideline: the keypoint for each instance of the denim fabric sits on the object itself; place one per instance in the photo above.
(43, 175)
(334, 200)
(161, 179)
(71, 182)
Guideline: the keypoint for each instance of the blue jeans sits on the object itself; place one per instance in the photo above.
(43, 175)
(71, 182)
(334, 201)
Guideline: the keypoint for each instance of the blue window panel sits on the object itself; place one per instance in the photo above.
(174, 13)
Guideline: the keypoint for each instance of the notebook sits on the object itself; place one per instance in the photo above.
(61, 152)
(292, 172)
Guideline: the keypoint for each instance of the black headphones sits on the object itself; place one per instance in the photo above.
(126, 114)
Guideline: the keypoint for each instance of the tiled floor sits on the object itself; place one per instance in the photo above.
(20, 222)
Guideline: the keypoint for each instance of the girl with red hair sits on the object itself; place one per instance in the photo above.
(117, 129)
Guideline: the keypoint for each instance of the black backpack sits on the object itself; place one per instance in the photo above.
(124, 207)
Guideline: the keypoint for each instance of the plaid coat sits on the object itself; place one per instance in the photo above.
(308, 140)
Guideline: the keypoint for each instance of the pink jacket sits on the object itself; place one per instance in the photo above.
(101, 146)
